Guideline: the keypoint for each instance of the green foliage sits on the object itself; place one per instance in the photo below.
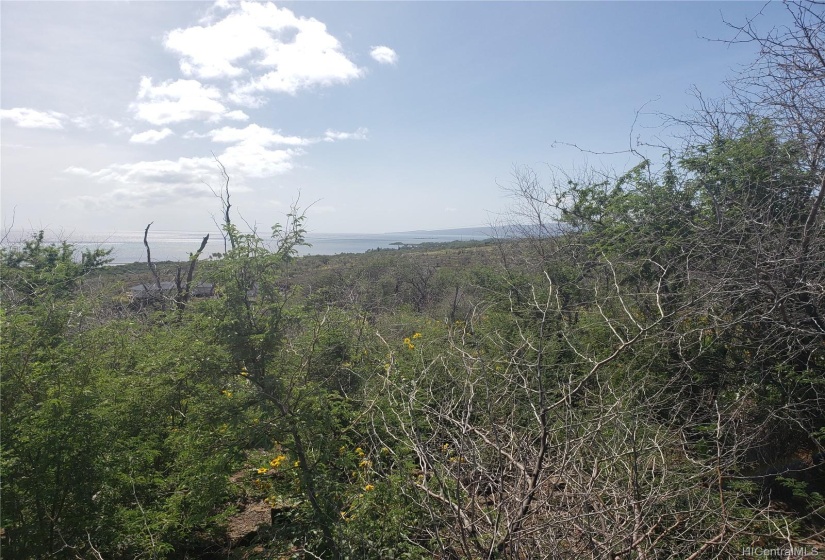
(38, 269)
(753, 171)
(622, 385)
(50, 440)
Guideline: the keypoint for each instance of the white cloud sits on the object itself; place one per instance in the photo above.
(32, 118)
(117, 126)
(255, 134)
(384, 55)
(150, 183)
(151, 136)
(253, 151)
(182, 170)
(254, 160)
(263, 48)
(76, 170)
(333, 135)
(236, 116)
(145, 196)
(86, 122)
(177, 101)
(89, 122)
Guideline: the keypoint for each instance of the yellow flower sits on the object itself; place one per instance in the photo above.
(416, 335)
(343, 449)
(296, 464)
(227, 393)
(359, 451)
(369, 488)
(407, 341)
(276, 462)
(262, 470)
(366, 463)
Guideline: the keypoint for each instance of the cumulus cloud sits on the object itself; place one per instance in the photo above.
(253, 151)
(146, 196)
(255, 134)
(76, 170)
(333, 135)
(32, 118)
(149, 183)
(151, 136)
(182, 170)
(262, 48)
(91, 122)
(384, 55)
(176, 101)
(254, 160)
(236, 115)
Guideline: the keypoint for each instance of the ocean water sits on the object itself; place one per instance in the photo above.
(127, 247)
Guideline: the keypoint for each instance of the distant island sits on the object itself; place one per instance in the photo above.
(473, 231)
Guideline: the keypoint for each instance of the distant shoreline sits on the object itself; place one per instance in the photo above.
(176, 246)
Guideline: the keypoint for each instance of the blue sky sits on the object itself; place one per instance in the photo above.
(386, 116)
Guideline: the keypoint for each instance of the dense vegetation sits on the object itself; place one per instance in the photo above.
(640, 373)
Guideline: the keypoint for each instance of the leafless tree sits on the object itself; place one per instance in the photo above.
(222, 193)
(183, 286)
